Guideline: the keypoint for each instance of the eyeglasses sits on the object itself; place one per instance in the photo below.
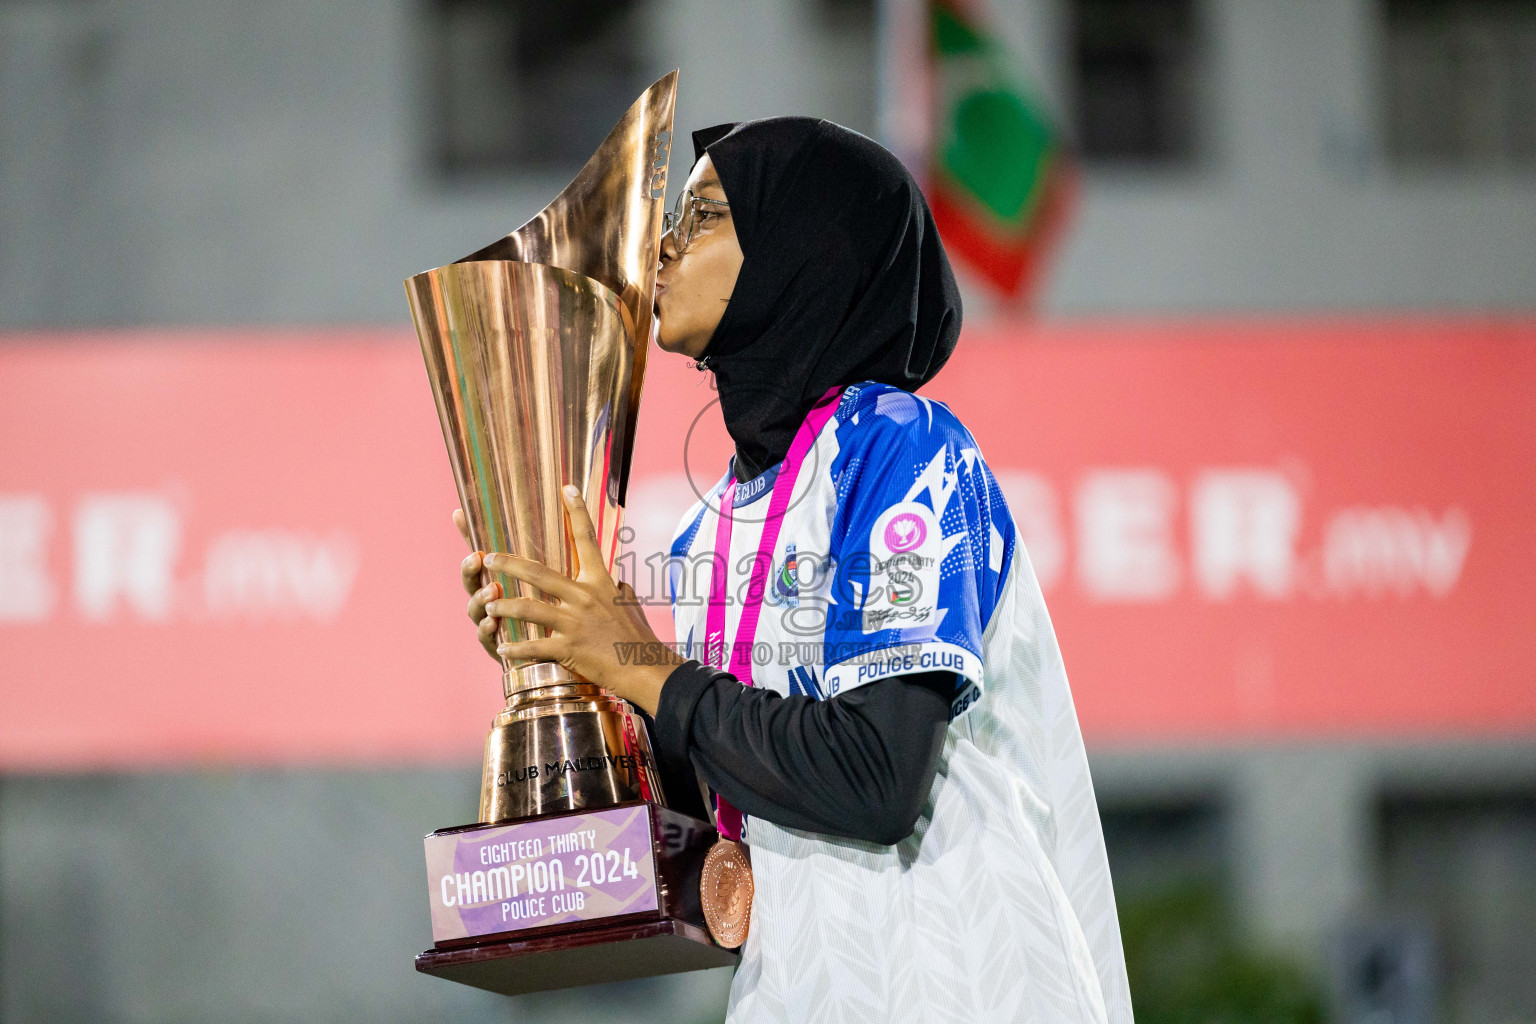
(683, 221)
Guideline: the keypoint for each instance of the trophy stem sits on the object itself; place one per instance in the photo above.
(515, 678)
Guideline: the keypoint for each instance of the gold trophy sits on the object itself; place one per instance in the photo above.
(535, 346)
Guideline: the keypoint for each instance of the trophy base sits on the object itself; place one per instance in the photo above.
(573, 899)
(594, 956)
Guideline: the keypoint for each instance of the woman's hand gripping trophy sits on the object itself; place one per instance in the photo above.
(597, 627)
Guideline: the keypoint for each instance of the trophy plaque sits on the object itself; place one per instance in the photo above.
(576, 872)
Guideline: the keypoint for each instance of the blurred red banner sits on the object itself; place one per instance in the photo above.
(236, 546)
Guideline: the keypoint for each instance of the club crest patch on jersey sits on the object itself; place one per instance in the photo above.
(786, 582)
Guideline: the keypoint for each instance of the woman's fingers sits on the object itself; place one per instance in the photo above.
(526, 609)
(479, 599)
(588, 553)
(487, 634)
(462, 522)
(469, 571)
(551, 648)
(556, 585)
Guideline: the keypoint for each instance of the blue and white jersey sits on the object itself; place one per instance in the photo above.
(898, 555)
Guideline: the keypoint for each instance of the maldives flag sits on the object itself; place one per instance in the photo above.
(1000, 182)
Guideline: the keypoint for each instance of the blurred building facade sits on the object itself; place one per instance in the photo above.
(209, 163)
(196, 164)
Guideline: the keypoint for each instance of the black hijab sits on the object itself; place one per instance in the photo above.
(843, 279)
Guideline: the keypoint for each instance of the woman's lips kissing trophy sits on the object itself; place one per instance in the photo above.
(577, 871)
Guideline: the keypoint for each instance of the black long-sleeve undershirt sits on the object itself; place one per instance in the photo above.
(857, 765)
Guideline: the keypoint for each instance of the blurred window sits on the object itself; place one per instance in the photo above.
(843, 35)
(1464, 870)
(855, 16)
(1185, 952)
(1154, 846)
(1460, 82)
(528, 84)
(1134, 66)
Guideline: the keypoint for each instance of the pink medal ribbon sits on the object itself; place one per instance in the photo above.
(739, 663)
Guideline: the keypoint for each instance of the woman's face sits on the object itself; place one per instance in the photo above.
(693, 288)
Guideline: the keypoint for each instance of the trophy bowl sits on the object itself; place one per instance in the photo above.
(531, 368)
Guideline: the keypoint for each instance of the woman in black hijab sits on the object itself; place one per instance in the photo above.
(866, 590)
(843, 280)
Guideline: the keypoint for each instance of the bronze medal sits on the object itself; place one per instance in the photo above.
(725, 890)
